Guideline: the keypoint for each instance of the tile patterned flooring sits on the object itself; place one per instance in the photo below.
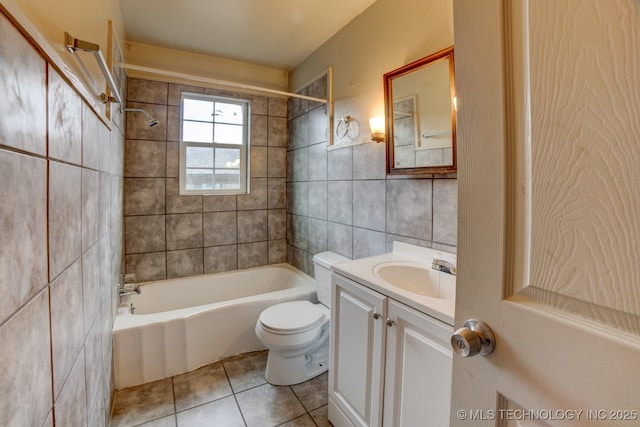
(229, 393)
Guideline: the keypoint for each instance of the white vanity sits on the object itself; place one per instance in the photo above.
(391, 323)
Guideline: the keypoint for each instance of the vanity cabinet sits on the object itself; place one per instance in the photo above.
(390, 364)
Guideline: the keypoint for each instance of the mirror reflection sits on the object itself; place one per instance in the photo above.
(420, 110)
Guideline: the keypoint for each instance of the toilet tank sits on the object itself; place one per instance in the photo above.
(322, 263)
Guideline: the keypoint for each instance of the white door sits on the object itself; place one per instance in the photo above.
(357, 354)
(417, 375)
(548, 96)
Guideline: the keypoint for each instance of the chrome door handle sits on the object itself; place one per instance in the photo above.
(473, 338)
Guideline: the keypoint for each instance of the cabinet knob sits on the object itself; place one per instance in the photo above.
(473, 338)
(376, 316)
(390, 323)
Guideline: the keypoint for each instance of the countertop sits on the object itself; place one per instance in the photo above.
(362, 271)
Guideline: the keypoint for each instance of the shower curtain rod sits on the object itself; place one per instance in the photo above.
(201, 79)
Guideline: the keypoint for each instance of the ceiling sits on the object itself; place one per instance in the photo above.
(273, 33)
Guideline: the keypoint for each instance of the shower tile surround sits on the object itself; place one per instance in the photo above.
(61, 232)
(304, 198)
(342, 200)
(168, 235)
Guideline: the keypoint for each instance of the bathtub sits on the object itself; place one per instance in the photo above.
(177, 325)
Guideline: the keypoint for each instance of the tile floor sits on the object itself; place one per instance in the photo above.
(229, 393)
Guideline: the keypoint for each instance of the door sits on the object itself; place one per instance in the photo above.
(357, 355)
(417, 382)
(548, 96)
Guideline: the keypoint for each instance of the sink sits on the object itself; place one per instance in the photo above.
(413, 277)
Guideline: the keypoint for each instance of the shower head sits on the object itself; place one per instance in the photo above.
(150, 119)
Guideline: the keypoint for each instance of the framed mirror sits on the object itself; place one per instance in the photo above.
(421, 116)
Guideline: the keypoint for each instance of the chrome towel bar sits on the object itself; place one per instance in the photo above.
(74, 44)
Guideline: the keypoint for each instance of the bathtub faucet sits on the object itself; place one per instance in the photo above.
(127, 285)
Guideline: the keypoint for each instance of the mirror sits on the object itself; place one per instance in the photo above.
(421, 116)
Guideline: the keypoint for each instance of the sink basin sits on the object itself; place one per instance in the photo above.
(412, 277)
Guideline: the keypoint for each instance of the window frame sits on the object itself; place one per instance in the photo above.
(244, 147)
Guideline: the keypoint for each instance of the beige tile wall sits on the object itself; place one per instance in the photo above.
(60, 244)
(168, 235)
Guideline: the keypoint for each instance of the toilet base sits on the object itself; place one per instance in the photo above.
(293, 370)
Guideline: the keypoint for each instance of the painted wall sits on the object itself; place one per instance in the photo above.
(60, 244)
(384, 37)
(203, 66)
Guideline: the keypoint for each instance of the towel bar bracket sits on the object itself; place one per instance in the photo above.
(72, 44)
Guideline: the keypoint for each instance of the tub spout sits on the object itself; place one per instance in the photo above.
(124, 292)
(127, 286)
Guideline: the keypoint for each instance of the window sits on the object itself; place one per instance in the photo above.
(214, 134)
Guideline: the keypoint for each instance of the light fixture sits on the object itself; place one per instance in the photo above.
(377, 128)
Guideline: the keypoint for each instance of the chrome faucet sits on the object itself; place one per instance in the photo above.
(127, 285)
(443, 265)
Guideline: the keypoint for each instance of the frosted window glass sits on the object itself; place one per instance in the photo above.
(228, 113)
(199, 179)
(197, 131)
(227, 158)
(227, 179)
(228, 134)
(199, 157)
(195, 109)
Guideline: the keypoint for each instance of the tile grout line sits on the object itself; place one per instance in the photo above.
(173, 393)
(233, 393)
(307, 412)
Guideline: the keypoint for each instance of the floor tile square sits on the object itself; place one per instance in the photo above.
(246, 371)
(168, 421)
(223, 412)
(313, 393)
(303, 421)
(203, 385)
(321, 416)
(268, 405)
(143, 403)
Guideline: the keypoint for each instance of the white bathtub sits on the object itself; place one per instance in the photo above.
(181, 324)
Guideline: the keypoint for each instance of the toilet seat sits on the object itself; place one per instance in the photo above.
(292, 317)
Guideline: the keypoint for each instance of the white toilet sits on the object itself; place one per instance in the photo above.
(297, 332)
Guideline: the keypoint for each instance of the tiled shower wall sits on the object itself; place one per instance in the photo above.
(341, 200)
(60, 244)
(168, 235)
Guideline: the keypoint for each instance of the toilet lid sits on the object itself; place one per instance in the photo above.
(291, 317)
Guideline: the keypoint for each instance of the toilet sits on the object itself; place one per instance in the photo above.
(297, 332)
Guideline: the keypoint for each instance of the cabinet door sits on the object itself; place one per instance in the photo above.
(357, 354)
(418, 369)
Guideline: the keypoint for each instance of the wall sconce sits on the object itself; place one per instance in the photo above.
(377, 128)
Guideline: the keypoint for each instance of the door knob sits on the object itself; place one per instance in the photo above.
(473, 338)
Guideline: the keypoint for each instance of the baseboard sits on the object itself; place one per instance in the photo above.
(337, 417)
